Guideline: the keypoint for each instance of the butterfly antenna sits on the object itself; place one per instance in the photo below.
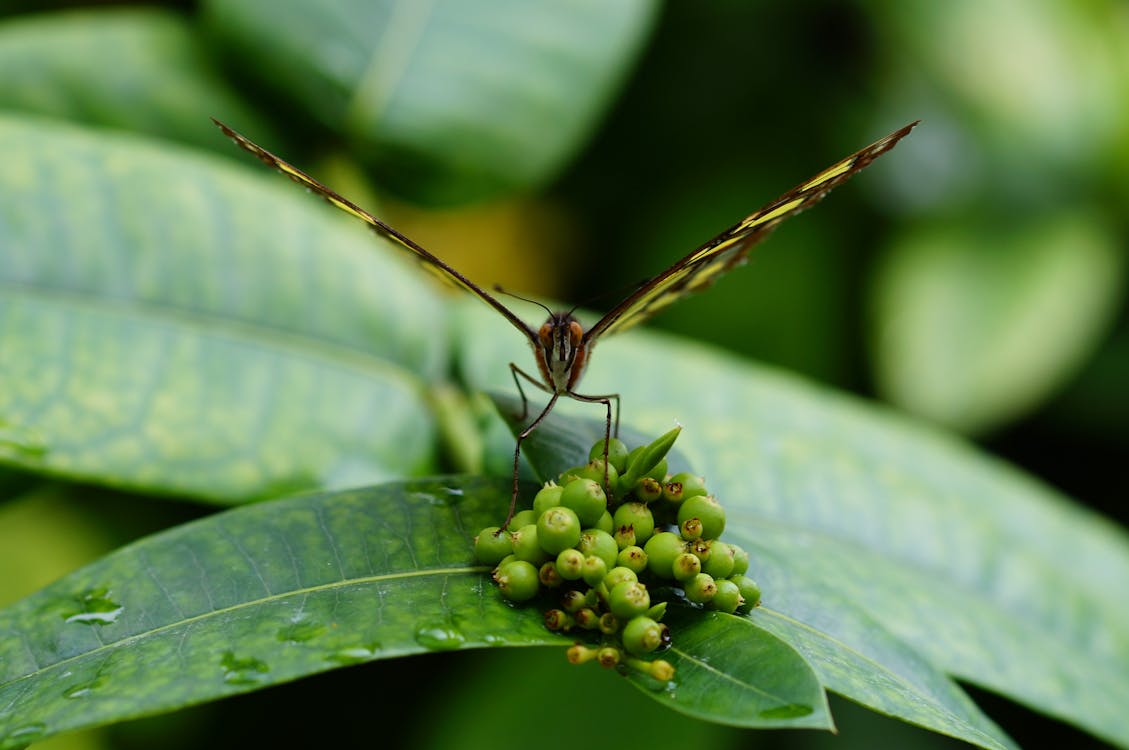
(498, 288)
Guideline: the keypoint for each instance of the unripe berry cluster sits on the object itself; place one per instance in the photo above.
(607, 530)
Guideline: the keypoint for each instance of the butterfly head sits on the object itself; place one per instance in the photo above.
(561, 352)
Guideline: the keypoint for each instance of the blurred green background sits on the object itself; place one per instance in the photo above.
(975, 276)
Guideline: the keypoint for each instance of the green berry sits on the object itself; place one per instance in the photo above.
(605, 523)
(526, 545)
(692, 484)
(587, 618)
(517, 580)
(624, 537)
(720, 564)
(586, 497)
(558, 620)
(632, 558)
(570, 564)
(740, 561)
(639, 517)
(708, 510)
(648, 490)
(618, 575)
(661, 550)
(750, 591)
(573, 600)
(522, 518)
(686, 566)
(503, 561)
(609, 625)
(490, 546)
(659, 669)
(617, 453)
(594, 570)
(558, 529)
(578, 653)
(642, 635)
(702, 548)
(549, 576)
(727, 597)
(672, 492)
(608, 657)
(599, 543)
(691, 529)
(701, 588)
(629, 599)
(594, 471)
(547, 497)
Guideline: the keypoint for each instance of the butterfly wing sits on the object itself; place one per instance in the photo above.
(726, 251)
(433, 264)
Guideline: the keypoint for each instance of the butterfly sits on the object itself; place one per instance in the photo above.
(562, 346)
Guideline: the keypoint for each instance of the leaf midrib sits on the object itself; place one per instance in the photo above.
(305, 590)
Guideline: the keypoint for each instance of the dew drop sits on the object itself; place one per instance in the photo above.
(83, 689)
(355, 654)
(787, 711)
(242, 671)
(300, 632)
(439, 637)
(23, 736)
(95, 607)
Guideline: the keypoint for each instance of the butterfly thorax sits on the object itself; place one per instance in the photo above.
(560, 351)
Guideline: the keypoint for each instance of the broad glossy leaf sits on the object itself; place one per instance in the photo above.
(976, 325)
(137, 69)
(893, 553)
(453, 101)
(176, 324)
(1034, 114)
(271, 592)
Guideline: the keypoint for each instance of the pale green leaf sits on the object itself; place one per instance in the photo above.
(173, 323)
(453, 101)
(975, 326)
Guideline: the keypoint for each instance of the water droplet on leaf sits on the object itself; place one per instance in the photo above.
(439, 637)
(242, 671)
(788, 711)
(95, 607)
(83, 689)
(300, 632)
(23, 736)
(355, 654)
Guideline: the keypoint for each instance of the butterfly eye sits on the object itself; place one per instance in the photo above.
(576, 332)
(545, 333)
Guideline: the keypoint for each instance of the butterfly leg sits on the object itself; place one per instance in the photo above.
(609, 433)
(517, 449)
(515, 371)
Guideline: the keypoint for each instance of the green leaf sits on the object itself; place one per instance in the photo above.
(175, 324)
(137, 69)
(453, 101)
(268, 593)
(975, 326)
(891, 555)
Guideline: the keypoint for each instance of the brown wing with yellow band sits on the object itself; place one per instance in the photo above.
(433, 264)
(724, 252)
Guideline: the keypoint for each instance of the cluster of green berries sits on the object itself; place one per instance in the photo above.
(607, 531)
